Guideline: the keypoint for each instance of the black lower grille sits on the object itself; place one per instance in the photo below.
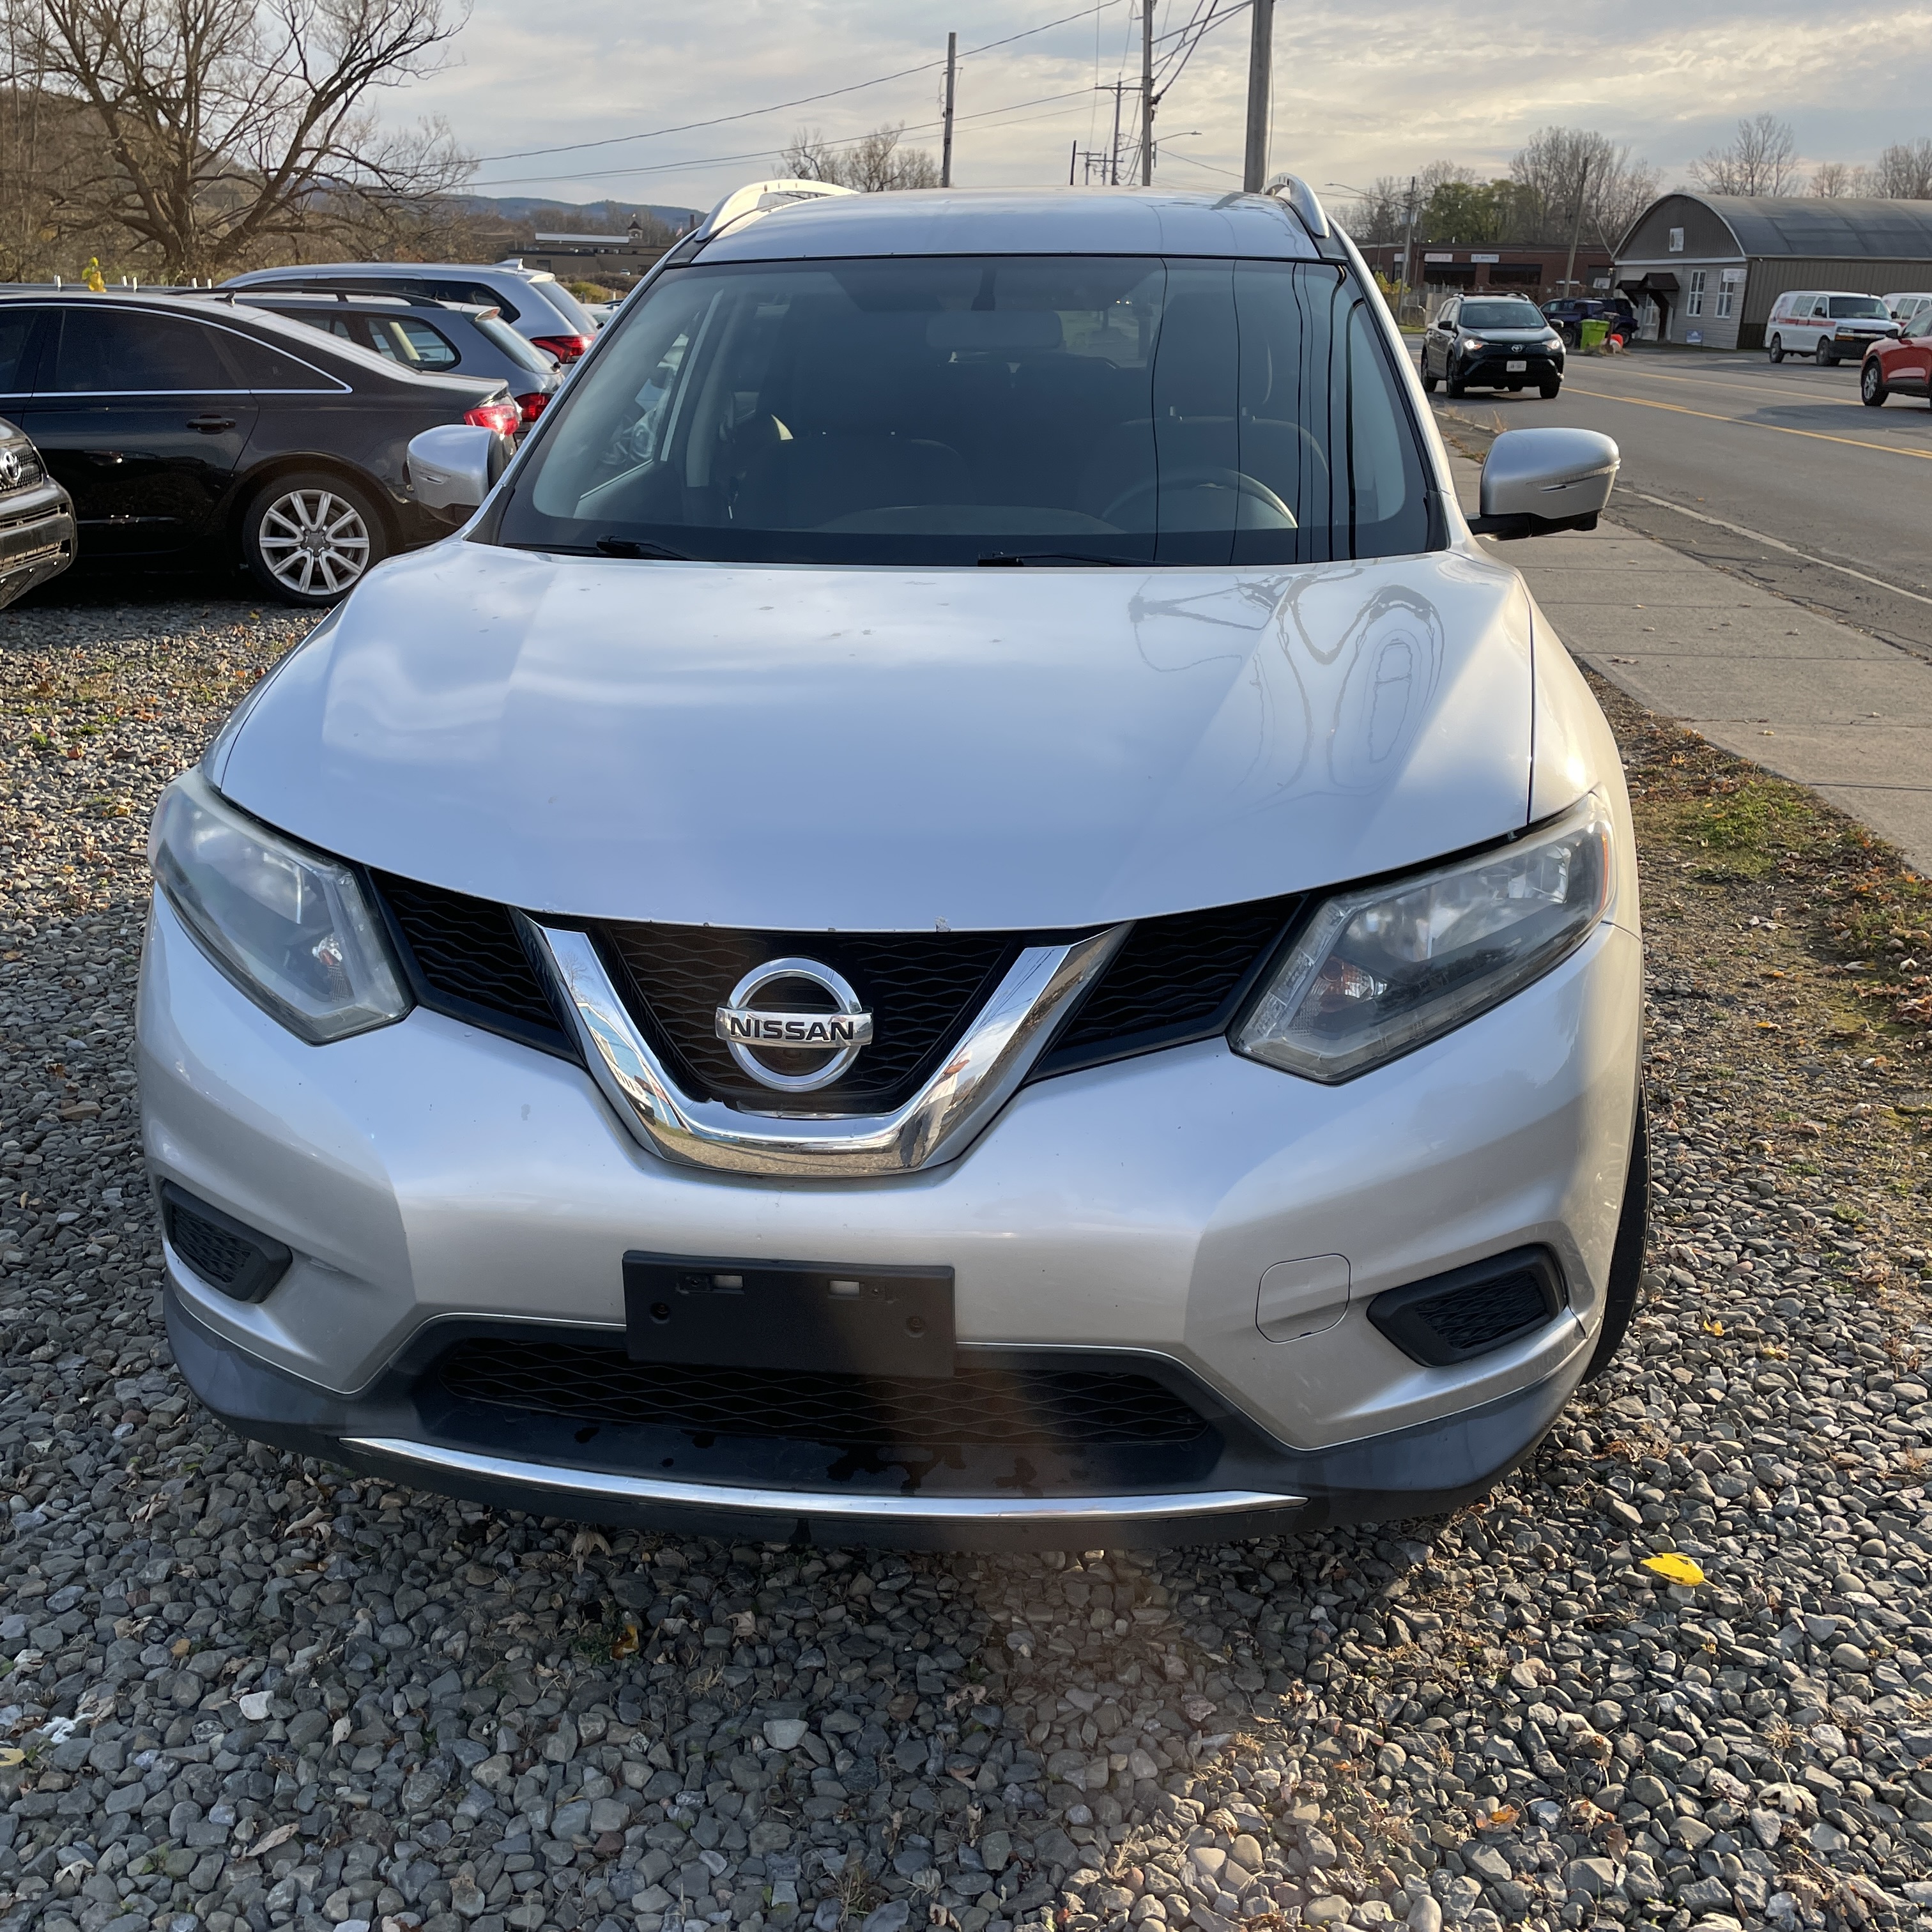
(243, 1263)
(1451, 1318)
(1071, 1408)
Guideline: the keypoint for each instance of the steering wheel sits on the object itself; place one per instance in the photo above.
(1201, 476)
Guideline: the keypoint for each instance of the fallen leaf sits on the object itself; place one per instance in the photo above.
(1674, 1568)
(10, 1756)
(281, 1835)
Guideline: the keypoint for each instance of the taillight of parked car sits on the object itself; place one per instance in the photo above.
(565, 348)
(532, 405)
(501, 416)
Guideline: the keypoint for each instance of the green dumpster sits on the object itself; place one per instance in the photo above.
(1592, 331)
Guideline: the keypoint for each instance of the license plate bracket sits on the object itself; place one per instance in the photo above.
(1515, 368)
(809, 1316)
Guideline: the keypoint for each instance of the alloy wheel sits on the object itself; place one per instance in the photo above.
(314, 542)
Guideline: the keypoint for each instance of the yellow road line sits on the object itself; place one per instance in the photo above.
(1816, 394)
(1746, 422)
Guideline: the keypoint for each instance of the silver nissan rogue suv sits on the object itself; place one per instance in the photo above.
(964, 912)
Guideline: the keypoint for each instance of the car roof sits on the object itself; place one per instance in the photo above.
(343, 302)
(1019, 221)
(304, 270)
(301, 340)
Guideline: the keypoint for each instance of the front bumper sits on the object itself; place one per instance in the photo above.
(37, 539)
(1491, 366)
(435, 1182)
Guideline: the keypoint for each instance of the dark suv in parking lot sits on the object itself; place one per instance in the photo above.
(189, 430)
(1492, 342)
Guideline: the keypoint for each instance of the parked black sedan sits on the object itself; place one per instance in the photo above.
(1492, 342)
(36, 519)
(188, 430)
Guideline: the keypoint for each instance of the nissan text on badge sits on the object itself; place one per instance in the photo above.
(965, 912)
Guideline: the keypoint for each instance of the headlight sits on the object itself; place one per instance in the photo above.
(1376, 973)
(289, 926)
(1470, 343)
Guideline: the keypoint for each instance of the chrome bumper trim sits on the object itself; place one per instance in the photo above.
(937, 1124)
(590, 1484)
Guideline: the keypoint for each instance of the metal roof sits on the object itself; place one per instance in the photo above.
(1018, 221)
(1812, 225)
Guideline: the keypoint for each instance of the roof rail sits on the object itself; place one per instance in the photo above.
(1300, 196)
(760, 198)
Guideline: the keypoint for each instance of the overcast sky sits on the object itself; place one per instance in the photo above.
(1359, 92)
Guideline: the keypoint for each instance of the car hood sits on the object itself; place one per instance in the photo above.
(807, 748)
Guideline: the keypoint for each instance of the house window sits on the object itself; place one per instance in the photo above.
(1677, 241)
(1695, 305)
(1727, 292)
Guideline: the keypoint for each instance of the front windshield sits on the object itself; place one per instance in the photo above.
(1501, 315)
(950, 409)
(1844, 307)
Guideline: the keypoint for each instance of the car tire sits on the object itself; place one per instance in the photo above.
(1453, 388)
(1550, 390)
(1624, 1291)
(310, 537)
(1776, 352)
(1825, 356)
(1428, 380)
(1871, 384)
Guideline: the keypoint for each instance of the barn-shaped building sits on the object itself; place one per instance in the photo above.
(1705, 268)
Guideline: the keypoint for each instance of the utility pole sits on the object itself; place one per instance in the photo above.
(945, 143)
(1576, 226)
(1113, 164)
(1261, 60)
(1407, 254)
(1146, 93)
(1073, 160)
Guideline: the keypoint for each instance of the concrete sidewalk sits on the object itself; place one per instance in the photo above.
(1813, 700)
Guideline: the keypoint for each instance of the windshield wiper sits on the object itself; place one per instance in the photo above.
(627, 547)
(1013, 559)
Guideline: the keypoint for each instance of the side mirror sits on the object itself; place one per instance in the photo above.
(1536, 481)
(452, 466)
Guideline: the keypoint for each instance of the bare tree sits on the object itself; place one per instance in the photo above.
(1761, 158)
(1382, 214)
(1904, 172)
(219, 128)
(1838, 181)
(1572, 178)
(874, 163)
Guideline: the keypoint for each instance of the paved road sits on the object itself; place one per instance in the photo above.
(1778, 475)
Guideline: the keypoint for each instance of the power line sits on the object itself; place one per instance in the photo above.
(783, 106)
(758, 154)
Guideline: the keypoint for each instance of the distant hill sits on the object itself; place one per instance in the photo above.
(595, 216)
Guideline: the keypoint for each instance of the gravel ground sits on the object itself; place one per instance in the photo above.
(248, 1689)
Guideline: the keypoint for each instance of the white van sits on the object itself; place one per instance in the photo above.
(1905, 308)
(1826, 323)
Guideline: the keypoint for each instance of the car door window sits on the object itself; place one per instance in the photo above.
(420, 346)
(1922, 326)
(1818, 307)
(132, 352)
(17, 336)
(478, 292)
(263, 367)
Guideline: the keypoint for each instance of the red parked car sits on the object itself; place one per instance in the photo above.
(1903, 365)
